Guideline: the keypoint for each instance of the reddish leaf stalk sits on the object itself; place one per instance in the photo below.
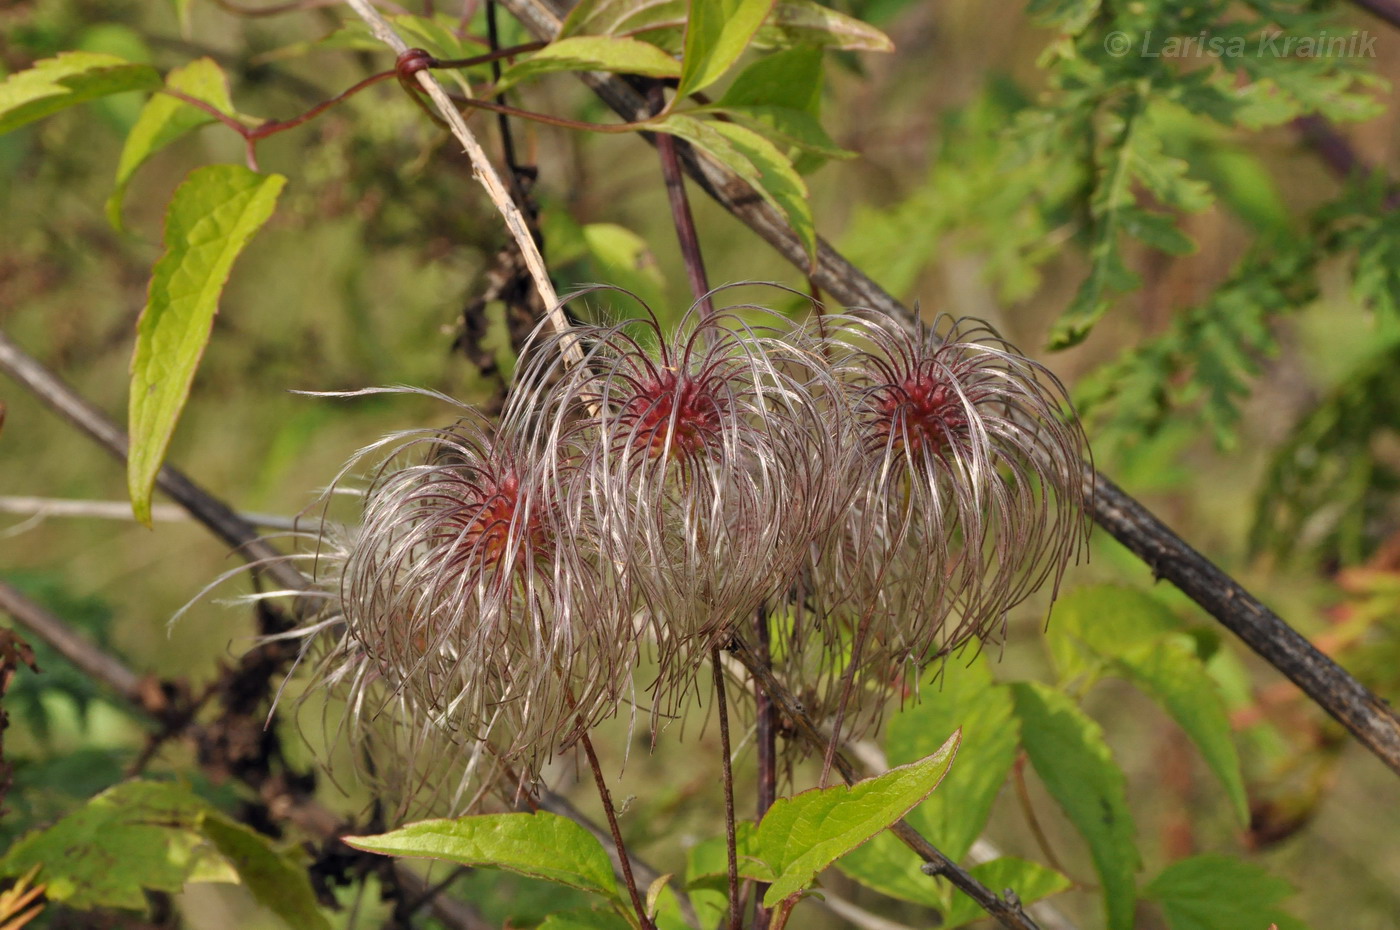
(680, 211)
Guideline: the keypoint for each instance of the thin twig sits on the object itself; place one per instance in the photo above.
(681, 216)
(624, 860)
(730, 841)
(983, 850)
(1023, 795)
(121, 510)
(204, 507)
(1373, 723)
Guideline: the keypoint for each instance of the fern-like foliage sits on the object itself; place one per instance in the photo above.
(1123, 72)
(1203, 365)
(1332, 485)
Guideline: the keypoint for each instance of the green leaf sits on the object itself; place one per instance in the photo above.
(209, 220)
(1070, 755)
(1213, 892)
(806, 23)
(1030, 880)
(72, 78)
(791, 23)
(757, 161)
(716, 34)
(1173, 676)
(785, 126)
(887, 866)
(594, 53)
(540, 845)
(781, 95)
(964, 698)
(623, 258)
(790, 79)
(154, 836)
(1098, 623)
(953, 817)
(805, 833)
(622, 17)
(707, 865)
(588, 919)
(165, 119)
(779, 182)
(276, 881)
(132, 837)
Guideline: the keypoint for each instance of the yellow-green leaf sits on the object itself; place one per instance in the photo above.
(165, 119)
(803, 22)
(594, 53)
(154, 836)
(757, 161)
(209, 221)
(805, 833)
(716, 34)
(72, 78)
(540, 845)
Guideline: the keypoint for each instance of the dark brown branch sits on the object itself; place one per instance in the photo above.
(1387, 10)
(1009, 914)
(1370, 719)
(85, 655)
(1337, 153)
(1336, 691)
(213, 513)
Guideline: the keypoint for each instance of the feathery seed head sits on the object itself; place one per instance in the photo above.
(965, 469)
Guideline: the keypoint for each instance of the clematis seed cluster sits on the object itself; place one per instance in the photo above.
(883, 494)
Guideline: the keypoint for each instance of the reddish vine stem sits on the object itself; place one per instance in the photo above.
(1023, 795)
(624, 860)
(730, 842)
(252, 135)
(680, 210)
(547, 119)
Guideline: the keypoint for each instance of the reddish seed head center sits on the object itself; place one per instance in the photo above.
(921, 410)
(494, 517)
(674, 408)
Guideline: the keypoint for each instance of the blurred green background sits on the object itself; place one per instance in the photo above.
(382, 237)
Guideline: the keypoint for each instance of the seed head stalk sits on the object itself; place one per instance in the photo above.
(700, 290)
